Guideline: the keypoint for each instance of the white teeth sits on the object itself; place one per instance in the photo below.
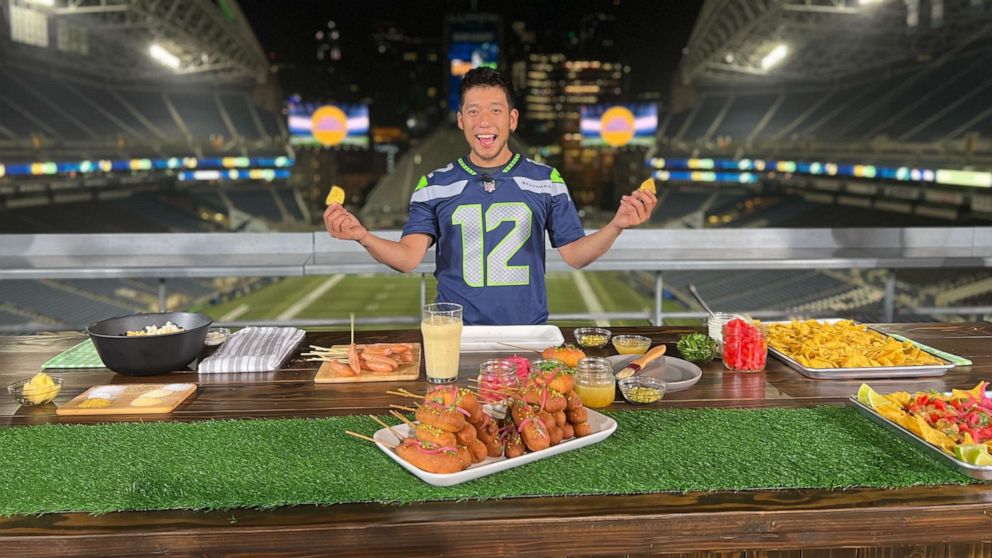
(486, 136)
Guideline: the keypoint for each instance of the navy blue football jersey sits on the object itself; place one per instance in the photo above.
(489, 227)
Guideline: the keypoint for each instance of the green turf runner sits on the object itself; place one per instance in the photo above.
(266, 463)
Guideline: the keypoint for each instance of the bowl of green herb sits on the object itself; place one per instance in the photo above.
(697, 348)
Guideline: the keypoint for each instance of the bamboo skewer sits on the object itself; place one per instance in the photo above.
(518, 347)
(352, 328)
(406, 393)
(403, 418)
(390, 428)
(364, 437)
(402, 408)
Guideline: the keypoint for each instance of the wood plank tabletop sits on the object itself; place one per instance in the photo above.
(950, 519)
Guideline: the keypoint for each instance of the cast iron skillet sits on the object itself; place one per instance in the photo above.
(150, 354)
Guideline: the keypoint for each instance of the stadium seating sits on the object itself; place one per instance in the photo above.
(76, 112)
(61, 305)
(934, 102)
(257, 202)
(78, 303)
(677, 205)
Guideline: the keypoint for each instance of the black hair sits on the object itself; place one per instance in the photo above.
(484, 77)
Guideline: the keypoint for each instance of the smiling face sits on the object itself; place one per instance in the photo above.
(487, 120)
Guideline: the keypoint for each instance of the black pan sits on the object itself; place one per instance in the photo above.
(150, 354)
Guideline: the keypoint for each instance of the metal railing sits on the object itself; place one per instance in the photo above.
(190, 255)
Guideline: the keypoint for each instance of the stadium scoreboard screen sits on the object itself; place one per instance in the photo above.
(619, 125)
(328, 125)
(473, 42)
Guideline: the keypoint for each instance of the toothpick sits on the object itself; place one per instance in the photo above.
(390, 428)
(401, 394)
(352, 328)
(402, 408)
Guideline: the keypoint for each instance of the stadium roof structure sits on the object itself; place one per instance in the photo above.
(826, 39)
(211, 38)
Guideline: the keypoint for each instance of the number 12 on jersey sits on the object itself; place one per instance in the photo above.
(493, 270)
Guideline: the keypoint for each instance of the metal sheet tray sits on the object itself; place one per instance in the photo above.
(973, 471)
(923, 371)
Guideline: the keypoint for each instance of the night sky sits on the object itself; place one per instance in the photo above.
(649, 36)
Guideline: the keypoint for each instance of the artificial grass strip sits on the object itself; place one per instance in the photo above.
(266, 463)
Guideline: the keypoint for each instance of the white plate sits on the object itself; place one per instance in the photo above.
(677, 373)
(498, 339)
(602, 426)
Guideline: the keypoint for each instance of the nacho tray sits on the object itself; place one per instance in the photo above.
(973, 471)
(867, 373)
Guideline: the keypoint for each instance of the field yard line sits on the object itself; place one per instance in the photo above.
(309, 299)
(588, 296)
(238, 311)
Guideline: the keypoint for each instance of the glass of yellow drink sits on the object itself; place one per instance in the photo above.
(441, 325)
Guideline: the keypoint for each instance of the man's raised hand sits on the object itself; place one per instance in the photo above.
(343, 225)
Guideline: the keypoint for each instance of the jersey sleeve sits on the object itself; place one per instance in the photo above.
(564, 226)
(422, 217)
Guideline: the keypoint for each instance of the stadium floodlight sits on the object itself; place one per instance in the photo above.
(774, 57)
(45, 3)
(868, 2)
(163, 56)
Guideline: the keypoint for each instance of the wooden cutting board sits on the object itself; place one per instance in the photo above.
(129, 399)
(407, 371)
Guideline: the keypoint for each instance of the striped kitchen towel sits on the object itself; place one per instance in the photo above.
(253, 349)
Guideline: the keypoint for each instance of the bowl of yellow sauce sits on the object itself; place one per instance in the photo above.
(631, 344)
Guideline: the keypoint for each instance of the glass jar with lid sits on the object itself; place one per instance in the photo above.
(714, 326)
(745, 345)
(497, 379)
(594, 382)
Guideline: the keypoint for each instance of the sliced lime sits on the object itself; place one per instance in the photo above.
(976, 454)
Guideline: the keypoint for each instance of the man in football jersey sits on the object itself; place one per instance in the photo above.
(488, 213)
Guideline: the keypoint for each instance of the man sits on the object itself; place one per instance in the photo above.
(488, 214)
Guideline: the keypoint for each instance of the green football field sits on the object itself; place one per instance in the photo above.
(377, 296)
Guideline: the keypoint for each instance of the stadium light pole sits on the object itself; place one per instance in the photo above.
(163, 56)
(775, 57)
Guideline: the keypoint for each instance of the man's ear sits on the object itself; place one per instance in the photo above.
(514, 116)
(459, 116)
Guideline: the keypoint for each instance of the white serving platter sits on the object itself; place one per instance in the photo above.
(508, 339)
(677, 373)
(602, 427)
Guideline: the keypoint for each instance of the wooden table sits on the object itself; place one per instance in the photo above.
(949, 520)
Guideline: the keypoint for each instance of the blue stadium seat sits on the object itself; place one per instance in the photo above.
(152, 107)
(30, 102)
(237, 108)
(288, 200)
(708, 109)
(256, 202)
(745, 113)
(200, 115)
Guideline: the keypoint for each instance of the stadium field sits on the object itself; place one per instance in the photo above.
(376, 296)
